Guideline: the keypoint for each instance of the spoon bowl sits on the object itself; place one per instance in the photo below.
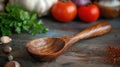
(45, 45)
(49, 48)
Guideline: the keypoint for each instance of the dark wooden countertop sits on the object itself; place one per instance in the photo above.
(85, 53)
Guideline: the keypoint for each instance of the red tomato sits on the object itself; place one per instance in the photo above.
(64, 11)
(88, 13)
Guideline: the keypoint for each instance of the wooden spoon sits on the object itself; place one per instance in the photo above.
(49, 48)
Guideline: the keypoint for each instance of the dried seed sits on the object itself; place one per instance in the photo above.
(12, 64)
(10, 58)
(7, 49)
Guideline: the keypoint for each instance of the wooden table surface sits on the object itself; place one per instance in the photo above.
(85, 53)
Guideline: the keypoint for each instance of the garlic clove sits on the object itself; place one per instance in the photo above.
(2, 6)
(5, 39)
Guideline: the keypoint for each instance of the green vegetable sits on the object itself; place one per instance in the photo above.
(17, 20)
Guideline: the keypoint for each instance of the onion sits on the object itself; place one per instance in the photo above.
(81, 2)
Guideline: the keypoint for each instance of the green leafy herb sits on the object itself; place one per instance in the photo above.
(17, 20)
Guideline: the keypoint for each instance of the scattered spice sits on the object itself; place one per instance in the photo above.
(113, 55)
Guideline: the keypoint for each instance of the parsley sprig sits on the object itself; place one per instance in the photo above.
(17, 20)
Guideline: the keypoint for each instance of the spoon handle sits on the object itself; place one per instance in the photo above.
(92, 31)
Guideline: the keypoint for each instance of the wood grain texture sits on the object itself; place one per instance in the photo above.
(86, 53)
(47, 49)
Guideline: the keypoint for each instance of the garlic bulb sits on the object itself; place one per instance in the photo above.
(41, 7)
(5, 39)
